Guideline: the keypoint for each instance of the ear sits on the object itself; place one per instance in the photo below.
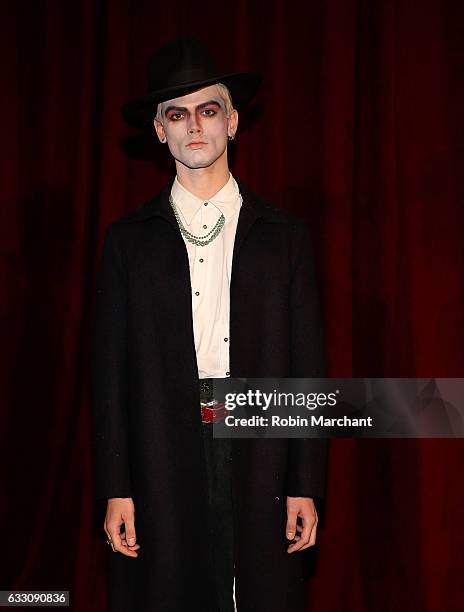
(159, 130)
(233, 123)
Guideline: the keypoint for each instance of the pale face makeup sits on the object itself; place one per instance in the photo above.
(196, 127)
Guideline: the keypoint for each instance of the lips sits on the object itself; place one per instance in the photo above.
(196, 144)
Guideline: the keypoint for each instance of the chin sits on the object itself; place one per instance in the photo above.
(201, 165)
(194, 164)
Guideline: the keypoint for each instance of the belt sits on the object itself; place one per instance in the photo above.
(211, 409)
(212, 412)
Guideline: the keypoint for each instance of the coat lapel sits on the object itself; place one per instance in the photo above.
(252, 209)
(247, 216)
(158, 206)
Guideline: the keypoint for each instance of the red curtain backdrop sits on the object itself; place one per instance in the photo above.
(356, 129)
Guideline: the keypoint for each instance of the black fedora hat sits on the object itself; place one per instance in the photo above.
(179, 67)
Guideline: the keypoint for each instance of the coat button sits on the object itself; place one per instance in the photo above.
(277, 498)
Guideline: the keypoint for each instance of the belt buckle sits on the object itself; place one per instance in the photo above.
(212, 411)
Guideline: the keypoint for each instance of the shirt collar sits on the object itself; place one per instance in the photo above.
(227, 200)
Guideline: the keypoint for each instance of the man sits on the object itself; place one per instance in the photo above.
(203, 282)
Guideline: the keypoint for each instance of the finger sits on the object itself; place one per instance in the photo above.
(303, 540)
(108, 539)
(129, 530)
(124, 543)
(291, 524)
(125, 550)
(116, 540)
(312, 539)
(294, 546)
(308, 524)
(298, 543)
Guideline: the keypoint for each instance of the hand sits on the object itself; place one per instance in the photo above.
(303, 508)
(120, 510)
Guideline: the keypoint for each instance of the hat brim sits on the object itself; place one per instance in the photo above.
(140, 112)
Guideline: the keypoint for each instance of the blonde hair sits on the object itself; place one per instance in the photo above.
(223, 92)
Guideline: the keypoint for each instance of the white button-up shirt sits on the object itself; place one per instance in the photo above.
(210, 272)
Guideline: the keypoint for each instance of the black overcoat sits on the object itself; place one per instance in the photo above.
(147, 425)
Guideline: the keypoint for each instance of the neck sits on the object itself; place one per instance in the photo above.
(203, 182)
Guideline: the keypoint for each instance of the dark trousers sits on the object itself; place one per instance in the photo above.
(220, 519)
(218, 454)
(220, 516)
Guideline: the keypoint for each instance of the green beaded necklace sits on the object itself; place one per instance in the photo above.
(198, 240)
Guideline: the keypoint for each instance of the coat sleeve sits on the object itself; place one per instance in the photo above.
(109, 374)
(307, 458)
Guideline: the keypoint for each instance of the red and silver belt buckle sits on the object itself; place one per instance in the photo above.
(212, 411)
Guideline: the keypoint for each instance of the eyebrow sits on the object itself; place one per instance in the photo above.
(184, 109)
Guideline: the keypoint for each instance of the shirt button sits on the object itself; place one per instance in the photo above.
(205, 204)
(197, 293)
(201, 260)
(205, 226)
(226, 339)
(227, 373)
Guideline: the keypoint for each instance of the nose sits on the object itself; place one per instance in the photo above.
(194, 126)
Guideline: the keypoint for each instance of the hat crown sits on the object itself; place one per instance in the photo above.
(182, 60)
(178, 68)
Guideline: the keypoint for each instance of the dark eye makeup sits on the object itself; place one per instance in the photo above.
(206, 112)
